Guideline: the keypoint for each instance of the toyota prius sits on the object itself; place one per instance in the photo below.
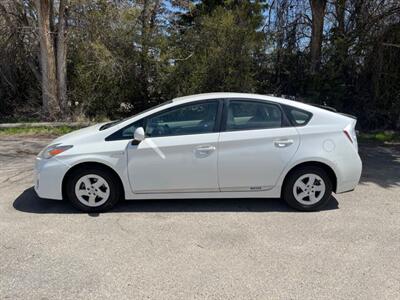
(218, 145)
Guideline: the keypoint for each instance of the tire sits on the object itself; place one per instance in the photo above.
(301, 194)
(93, 190)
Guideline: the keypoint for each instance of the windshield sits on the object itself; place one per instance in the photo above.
(116, 122)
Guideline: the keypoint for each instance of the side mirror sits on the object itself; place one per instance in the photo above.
(138, 135)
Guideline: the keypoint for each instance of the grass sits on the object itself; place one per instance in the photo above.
(380, 136)
(42, 130)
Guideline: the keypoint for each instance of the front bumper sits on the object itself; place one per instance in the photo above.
(347, 186)
(49, 174)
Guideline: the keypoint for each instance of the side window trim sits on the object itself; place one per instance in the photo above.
(285, 120)
(218, 119)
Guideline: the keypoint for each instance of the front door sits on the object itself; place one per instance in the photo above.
(255, 146)
(179, 153)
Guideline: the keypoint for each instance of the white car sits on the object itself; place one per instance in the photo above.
(217, 145)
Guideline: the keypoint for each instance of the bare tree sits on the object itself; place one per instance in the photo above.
(51, 107)
(52, 58)
(62, 58)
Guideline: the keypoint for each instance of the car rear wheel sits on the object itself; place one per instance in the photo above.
(307, 189)
(93, 190)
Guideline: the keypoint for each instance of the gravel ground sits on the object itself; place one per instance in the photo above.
(197, 249)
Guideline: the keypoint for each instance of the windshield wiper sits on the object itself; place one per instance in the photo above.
(110, 124)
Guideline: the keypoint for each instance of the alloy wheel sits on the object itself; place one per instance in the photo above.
(309, 189)
(92, 190)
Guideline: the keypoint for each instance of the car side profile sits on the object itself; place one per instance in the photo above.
(217, 145)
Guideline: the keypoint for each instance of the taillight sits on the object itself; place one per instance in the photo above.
(346, 133)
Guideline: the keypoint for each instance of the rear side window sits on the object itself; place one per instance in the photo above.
(297, 116)
(248, 115)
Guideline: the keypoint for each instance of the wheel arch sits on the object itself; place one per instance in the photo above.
(328, 169)
(90, 164)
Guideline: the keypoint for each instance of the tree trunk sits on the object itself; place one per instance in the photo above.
(340, 6)
(148, 16)
(51, 108)
(318, 14)
(281, 7)
(340, 40)
(62, 59)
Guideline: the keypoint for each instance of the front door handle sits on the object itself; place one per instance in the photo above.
(283, 143)
(204, 150)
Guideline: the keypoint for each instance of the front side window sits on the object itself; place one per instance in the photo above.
(125, 133)
(186, 119)
(248, 115)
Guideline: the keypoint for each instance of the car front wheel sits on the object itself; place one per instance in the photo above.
(308, 189)
(93, 190)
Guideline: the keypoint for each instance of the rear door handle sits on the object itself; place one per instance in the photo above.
(205, 150)
(283, 143)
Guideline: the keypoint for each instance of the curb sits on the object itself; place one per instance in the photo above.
(46, 124)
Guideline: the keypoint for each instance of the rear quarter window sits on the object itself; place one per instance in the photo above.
(298, 117)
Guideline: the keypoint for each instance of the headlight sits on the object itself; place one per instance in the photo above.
(53, 150)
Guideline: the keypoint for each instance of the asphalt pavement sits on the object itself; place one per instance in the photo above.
(200, 249)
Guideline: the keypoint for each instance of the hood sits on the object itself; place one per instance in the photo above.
(78, 135)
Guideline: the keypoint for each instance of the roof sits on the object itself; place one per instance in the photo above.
(221, 95)
(217, 95)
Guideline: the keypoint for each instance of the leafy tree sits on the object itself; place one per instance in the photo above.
(98, 59)
(218, 49)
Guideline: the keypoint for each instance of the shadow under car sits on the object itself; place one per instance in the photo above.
(30, 202)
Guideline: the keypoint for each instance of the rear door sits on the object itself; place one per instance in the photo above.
(255, 145)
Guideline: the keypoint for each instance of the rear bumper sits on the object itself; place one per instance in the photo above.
(350, 174)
